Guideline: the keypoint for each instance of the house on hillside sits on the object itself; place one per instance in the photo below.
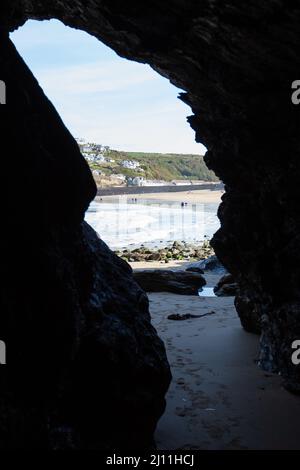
(100, 158)
(97, 173)
(130, 164)
(136, 181)
(88, 157)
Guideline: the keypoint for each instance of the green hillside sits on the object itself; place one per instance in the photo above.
(160, 166)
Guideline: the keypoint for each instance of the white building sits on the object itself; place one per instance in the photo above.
(130, 164)
(137, 181)
(92, 157)
(88, 157)
(100, 158)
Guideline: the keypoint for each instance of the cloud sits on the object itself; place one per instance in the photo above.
(102, 97)
(95, 77)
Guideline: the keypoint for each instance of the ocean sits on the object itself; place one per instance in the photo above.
(123, 222)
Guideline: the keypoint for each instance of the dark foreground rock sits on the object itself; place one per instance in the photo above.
(85, 368)
(235, 62)
(250, 316)
(195, 269)
(226, 286)
(177, 282)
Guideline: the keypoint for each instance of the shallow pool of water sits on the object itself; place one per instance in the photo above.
(206, 292)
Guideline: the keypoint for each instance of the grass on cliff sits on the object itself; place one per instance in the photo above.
(162, 166)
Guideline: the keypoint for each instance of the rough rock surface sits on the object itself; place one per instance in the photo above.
(236, 60)
(211, 264)
(226, 286)
(162, 280)
(85, 368)
(249, 315)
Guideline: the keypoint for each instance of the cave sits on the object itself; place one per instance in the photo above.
(72, 317)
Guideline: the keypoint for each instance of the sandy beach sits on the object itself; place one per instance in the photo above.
(196, 196)
(219, 398)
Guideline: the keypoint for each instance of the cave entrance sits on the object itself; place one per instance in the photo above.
(226, 57)
(131, 129)
(208, 395)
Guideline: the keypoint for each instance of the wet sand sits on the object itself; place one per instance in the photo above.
(196, 196)
(219, 398)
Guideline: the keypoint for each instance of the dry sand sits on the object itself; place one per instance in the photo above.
(219, 398)
(197, 196)
(172, 264)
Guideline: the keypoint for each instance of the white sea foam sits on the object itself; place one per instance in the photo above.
(123, 223)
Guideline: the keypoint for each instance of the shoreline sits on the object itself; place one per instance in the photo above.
(138, 190)
(192, 196)
(164, 255)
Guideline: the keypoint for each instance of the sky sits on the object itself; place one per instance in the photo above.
(102, 97)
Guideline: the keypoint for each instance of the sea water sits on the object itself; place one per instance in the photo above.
(124, 222)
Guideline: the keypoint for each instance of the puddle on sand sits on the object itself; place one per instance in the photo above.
(206, 292)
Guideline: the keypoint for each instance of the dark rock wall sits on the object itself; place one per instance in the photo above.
(85, 368)
(236, 61)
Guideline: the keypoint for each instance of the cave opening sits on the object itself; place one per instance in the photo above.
(96, 322)
(124, 112)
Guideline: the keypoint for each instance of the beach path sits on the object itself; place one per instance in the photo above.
(219, 398)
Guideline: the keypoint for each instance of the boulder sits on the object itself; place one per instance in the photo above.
(248, 312)
(163, 280)
(226, 287)
(195, 269)
(211, 264)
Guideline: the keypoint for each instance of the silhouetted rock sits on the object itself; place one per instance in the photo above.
(195, 269)
(211, 264)
(226, 286)
(236, 62)
(248, 312)
(85, 368)
(178, 282)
